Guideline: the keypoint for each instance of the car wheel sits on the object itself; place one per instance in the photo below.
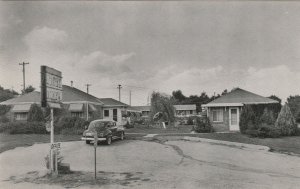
(108, 140)
(122, 136)
(87, 142)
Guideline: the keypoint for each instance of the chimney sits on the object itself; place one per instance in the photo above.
(71, 83)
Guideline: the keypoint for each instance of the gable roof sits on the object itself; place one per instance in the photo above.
(72, 94)
(142, 108)
(185, 107)
(28, 98)
(112, 102)
(239, 97)
(69, 94)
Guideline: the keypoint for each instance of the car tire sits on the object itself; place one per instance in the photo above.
(122, 136)
(108, 140)
(87, 142)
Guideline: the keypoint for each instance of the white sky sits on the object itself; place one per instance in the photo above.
(165, 46)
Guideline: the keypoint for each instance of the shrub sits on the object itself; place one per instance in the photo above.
(267, 117)
(4, 109)
(268, 131)
(35, 113)
(190, 121)
(203, 125)
(3, 119)
(247, 119)
(286, 122)
(75, 123)
(23, 128)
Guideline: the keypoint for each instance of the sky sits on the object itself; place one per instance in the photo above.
(154, 46)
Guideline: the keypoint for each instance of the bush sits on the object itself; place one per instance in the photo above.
(3, 119)
(74, 123)
(264, 131)
(268, 131)
(23, 128)
(286, 122)
(247, 119)
(203, 125)
(4, 109)
(267, 117)
(35, 113)
(190, 121)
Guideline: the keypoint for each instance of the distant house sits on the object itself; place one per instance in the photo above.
(224, 112)
(185, 110)
(114, 110)
(180, 110)
(76, 102)
(145, 110)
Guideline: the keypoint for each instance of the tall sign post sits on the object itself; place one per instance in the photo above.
(95, 153)
(51, 95)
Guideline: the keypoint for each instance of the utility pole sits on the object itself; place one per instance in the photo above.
(87, 88)
(119, 87)
(130, 97)
(23, 64)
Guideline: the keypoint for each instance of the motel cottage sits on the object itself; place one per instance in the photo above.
(76, 102)
(224, 112)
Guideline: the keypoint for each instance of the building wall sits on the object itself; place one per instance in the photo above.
(220, 126)
(120, 120)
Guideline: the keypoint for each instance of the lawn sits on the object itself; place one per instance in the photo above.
(284, 144)
(156, 130)
(8, 142)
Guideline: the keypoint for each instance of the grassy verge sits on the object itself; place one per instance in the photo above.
(8, 142)
(284, 144)
(154, 130)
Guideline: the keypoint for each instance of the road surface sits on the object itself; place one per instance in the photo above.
(142, 164)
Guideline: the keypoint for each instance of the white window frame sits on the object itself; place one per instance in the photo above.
(77, 114)
(21, 116)
(221, 118)
(104, 113)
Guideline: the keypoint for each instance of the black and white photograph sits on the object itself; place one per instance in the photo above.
(149, 94)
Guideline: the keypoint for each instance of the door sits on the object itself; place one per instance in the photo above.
(234, 119)
(115, 114)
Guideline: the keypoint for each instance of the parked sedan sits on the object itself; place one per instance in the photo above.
(106, 131)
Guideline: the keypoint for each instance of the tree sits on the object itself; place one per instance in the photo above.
(177, 95)
(294, 104)
(274, 97)
(28, 89)
(224, 92)
(35, 113)
(286, 122)
(164, 104)
(6, 94)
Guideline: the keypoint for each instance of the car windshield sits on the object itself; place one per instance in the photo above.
(100, 125)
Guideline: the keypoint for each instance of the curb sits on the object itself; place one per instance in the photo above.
(227, 143)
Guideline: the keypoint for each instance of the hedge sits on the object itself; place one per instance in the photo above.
(202, 125)
(23, 128)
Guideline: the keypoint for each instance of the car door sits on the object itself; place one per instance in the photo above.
(113, 129)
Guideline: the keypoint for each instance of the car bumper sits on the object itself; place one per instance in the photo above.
(92, 139)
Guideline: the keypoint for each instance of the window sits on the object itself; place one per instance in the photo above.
(217, 115)
(106, 113)
(21, 116)
(191, 112)
(77, 114)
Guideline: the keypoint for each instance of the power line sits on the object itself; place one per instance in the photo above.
(23, 64)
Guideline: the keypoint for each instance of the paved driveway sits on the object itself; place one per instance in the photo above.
(141, 164)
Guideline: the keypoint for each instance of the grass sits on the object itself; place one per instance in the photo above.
(284, 144)
(157, 130)
(8, 142)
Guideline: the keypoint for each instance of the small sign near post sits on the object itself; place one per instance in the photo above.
(51, 94)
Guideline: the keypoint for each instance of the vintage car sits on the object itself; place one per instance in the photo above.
(106, 130)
